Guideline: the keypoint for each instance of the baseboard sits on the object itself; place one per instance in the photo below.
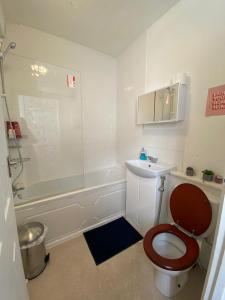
(52, 243)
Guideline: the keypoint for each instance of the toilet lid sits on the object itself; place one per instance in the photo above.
(190, 208)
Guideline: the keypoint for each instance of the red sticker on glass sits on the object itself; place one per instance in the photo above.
(71, 81)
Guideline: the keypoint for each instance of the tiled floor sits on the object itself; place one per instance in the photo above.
(73, 275)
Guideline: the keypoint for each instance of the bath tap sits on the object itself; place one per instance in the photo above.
(16, 189)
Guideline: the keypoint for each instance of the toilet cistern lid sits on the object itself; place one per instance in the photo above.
(190, 208)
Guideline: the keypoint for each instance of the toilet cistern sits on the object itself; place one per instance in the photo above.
(147, 169)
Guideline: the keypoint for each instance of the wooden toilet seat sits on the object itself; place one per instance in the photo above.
(182, 263)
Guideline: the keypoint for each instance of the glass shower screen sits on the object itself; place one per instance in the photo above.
(46, 101)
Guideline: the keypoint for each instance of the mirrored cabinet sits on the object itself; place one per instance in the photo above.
(163, 105)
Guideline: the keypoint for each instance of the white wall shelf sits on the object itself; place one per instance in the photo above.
(22, 137)
(198, 180)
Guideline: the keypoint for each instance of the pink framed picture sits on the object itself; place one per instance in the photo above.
(216, 101)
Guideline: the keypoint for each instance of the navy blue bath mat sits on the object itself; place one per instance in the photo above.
(110, 239)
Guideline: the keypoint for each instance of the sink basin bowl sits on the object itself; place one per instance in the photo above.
(147, 169)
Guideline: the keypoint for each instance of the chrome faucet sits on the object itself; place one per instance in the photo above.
(152, 159)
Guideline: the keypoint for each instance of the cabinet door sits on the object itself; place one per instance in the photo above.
(146, 104)
(147, 204)
(141, 202)
(166, 104)
(132, 195)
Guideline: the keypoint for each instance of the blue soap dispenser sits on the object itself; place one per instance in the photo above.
(143, 154)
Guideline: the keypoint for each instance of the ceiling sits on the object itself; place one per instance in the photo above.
(107, 26)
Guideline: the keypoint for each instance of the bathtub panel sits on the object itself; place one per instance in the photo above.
(71, 215)
(109, 204)
(61, 220)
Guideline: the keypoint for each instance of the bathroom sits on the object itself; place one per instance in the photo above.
(73, 86)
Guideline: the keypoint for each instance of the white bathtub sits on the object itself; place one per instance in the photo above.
(57, 187)
(70, 206)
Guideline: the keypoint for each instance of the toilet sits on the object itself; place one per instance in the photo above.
(173, 248)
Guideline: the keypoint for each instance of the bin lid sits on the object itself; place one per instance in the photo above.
(30, 232)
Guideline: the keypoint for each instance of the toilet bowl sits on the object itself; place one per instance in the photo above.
(173, 249)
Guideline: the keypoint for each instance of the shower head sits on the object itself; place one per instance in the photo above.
(11, 45)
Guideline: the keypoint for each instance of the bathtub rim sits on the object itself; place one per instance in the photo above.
(64, 195)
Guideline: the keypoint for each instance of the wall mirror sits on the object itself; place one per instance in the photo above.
(163, 105)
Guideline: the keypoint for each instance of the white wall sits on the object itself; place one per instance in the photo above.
(188, 38)
(98, 84)
(131, 83)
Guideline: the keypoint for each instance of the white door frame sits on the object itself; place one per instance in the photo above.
(12, 280)
(214, 287)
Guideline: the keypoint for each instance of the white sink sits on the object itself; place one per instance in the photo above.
(148, 169)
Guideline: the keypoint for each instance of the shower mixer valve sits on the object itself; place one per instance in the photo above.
(16, 189)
